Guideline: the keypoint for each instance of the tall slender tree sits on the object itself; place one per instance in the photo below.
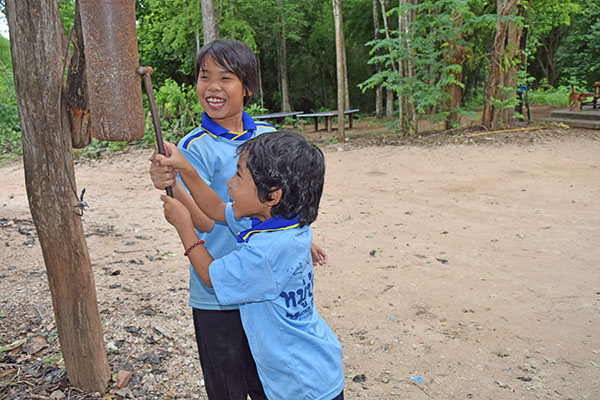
(378, 69)
(282, 52)
(339, 52)
(210, 20)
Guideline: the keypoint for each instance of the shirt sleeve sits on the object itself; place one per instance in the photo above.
(199, 161)
(243, 276)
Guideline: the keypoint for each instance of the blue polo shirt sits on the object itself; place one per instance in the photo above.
(270, 276)
(211, 149)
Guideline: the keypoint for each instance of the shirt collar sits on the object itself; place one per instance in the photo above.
(215, 129)
(276, 223)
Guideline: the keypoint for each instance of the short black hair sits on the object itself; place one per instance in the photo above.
(286, 160)
(235, 57)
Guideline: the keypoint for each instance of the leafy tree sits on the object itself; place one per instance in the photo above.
(547, 27)
(579, 54)
(9, 114)
(435, 45)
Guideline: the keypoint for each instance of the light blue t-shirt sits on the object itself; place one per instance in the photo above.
(270, 276)
(211, 149)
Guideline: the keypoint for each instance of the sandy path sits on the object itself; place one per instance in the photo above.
(473, 268)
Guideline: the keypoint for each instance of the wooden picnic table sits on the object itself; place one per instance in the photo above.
(595, 95)
(279, 117)
(328, 115)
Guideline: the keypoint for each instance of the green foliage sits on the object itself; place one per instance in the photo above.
(167, 34)
(546, 94)
(179, 108)
(437, 48)
(580, 50)
(10, 132)
(67, 12)
(255, 109)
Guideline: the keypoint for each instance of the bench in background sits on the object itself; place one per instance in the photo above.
(328, 115)
(278, 117)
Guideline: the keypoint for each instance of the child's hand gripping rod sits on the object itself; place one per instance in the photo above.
(146, 72)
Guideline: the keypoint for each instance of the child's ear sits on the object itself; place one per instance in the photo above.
(247, 92)
(275, 198)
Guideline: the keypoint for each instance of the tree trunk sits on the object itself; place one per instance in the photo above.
(389, 103)
(36, 37)
(378, 69)
(346, 91)
(402, 100)
(456, 57)
(282, 50)
(410, 69)
(210, 21)
(389, 94)
(491, 116)
(510, 74)
(339, 52)
(260, 85)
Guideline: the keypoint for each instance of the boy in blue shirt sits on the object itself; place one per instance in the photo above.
(278, 184)
(226, 73)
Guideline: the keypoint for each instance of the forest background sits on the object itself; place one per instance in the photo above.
(405, 61)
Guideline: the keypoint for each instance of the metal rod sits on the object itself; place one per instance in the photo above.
(146, 72)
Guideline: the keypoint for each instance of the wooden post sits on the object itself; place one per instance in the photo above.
(339, 52)
(210, 22)
(37, 46)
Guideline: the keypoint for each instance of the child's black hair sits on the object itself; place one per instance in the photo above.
(286, 160)
(236, 58)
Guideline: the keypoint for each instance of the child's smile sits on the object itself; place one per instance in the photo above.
(244, 194)
(221, 94)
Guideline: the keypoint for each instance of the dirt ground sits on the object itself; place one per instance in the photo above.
(459, 268)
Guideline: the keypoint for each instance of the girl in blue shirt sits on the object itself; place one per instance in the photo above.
(278, 185)
(227, 77)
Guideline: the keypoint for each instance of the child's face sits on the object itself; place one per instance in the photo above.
(244, 194)
(221, 94)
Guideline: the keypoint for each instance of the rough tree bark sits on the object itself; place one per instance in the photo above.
(36, 39)
(455, 91)
(339, 52)
(491, 116)
(510, 73)
(210, 20)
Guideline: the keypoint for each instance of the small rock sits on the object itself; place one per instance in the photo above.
(35, 344)
(148, 382)
(550, 360)
(123, 378)
(57, 395)
(111, 347)
(359, 378)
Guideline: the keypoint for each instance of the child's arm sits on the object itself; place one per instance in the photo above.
(163, 177)
(207, 200)
(179, 216)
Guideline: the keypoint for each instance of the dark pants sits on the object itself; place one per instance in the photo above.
(228, 367)
(339, 396)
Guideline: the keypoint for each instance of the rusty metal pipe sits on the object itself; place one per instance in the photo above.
(111, 57)
(146, 72)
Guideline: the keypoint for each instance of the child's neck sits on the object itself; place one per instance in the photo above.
(233, 124)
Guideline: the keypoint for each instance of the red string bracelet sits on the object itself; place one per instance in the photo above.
(187, 251)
